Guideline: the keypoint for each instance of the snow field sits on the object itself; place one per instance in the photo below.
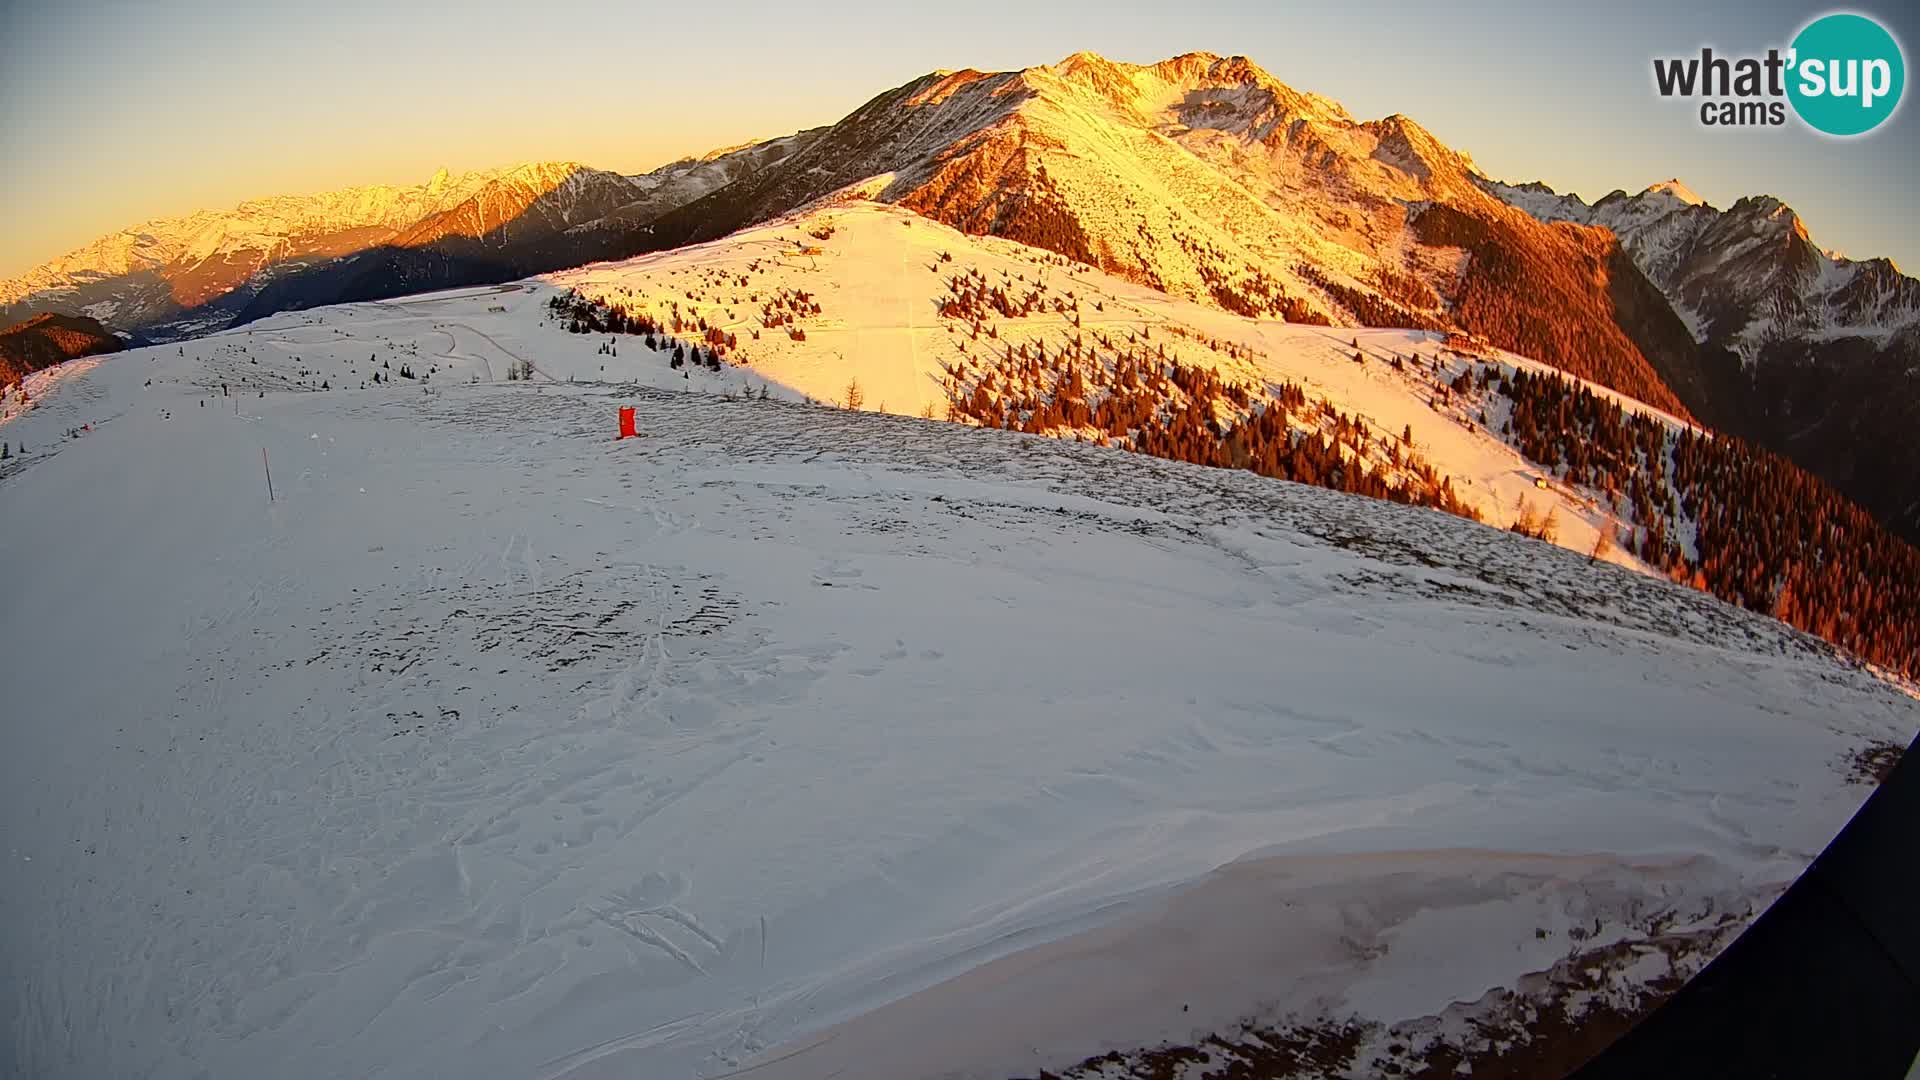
(495, 747)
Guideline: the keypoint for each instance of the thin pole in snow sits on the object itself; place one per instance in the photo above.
(269, 472)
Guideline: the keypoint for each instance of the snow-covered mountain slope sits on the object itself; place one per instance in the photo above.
(173, 276)
(1000, 334)
(492, 746)
(869, 302)
(881, 278)
(1205, 177)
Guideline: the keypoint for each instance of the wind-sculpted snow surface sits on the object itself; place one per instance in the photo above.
(493, 747)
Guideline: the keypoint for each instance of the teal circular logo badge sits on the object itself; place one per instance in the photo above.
(1847, 75)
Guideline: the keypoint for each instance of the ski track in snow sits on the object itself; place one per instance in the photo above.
(495, 747)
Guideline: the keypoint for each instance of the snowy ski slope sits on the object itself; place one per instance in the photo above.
(880, 276)
(795, 737)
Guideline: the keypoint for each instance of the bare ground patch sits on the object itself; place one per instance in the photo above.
(1548, 1024)
(1874, 762)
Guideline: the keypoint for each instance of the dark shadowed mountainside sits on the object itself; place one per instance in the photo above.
(49, 339)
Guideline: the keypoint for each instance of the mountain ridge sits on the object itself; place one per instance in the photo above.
(170, 277)
(1808, 353)
(1768, 277)
(1198, 99)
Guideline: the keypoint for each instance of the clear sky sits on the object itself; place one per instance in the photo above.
(115, 112)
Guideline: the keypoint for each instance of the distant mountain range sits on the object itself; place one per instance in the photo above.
(1743, 278)
(1202, 176)
(176, 277)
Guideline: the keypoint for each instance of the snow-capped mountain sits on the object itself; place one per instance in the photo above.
(504, 231)
(1207, 178)
(145, 274)
(1745, 277)
(540, 198)
(173, 276)
(515, 223)
(682, 182)
(1812, 354)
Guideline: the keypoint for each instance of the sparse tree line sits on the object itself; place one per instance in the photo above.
(1136, 396)
(585, 315)
(1758, 531)
(1372, 310)
(971, 297)
(1033, 214)
(784, 307)
(1254, 294)
(686, 336)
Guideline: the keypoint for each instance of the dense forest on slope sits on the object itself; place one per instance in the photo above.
(1735, 520)
(1535, 295)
